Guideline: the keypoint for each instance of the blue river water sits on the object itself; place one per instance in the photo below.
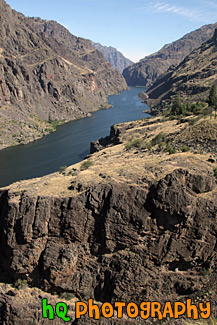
(71, 141)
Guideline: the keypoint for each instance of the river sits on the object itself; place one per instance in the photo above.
(71, 141)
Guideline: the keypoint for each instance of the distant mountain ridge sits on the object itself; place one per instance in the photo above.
(191, 79)
(115, 57)
(47, 72)
(146, 71)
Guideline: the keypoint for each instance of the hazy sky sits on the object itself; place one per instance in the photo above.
(135, 27)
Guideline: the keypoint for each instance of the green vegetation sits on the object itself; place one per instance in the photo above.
(158, 139)
(49, 118)
(67, 295)
(180, 109)
(62, 169)
(212, 99)
(161, 145)
(20, 284)
(48, 130)
(170, 148)
(177, 106)
(86, 164)
(102, 107)
(185, 148)
(136, 143)
(54, 123)
(193, 121)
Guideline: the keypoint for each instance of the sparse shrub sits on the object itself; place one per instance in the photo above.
(136, 143)
(172, 117)
(149, 146)
(86, 164)
(158, 139)
(62, 169)
(49, 118)
(20, 284)
(188, 113)
(215, 172)
(170, 149)
(198, 108)
(54, 124)
(67, 295)
(161, 145)
(194, 120)
(185, 148)
(177, 106)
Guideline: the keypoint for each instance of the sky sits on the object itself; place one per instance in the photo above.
(135, 27)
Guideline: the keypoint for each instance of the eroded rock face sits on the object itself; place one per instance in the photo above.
(46, 72)
(116, 58)
(147, 70)
(114, 241)
(189, 79)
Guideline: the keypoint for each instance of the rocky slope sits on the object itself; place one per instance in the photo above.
(147, 70)
(115, 57)
(191, 80)
(137, 225)
(47, 73)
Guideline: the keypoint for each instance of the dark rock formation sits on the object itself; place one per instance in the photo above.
(147, 70)
(110, 140)
(138, 225)
(114, 241)
(191, 79)
(116, 58)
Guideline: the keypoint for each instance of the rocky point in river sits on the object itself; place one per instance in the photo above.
(47, 74)
(146, 71)
(130, 223)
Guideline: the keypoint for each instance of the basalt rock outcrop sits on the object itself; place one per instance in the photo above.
(146, 71)
(137, 225)
(47, 74)
(114, 242)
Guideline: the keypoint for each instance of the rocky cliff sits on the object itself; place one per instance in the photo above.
(147, 70)
(192, 79)
(137, 225)
(47, 74)
(115, 57)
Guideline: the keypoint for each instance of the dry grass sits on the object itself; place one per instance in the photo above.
(136, 167)
(204, 129)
